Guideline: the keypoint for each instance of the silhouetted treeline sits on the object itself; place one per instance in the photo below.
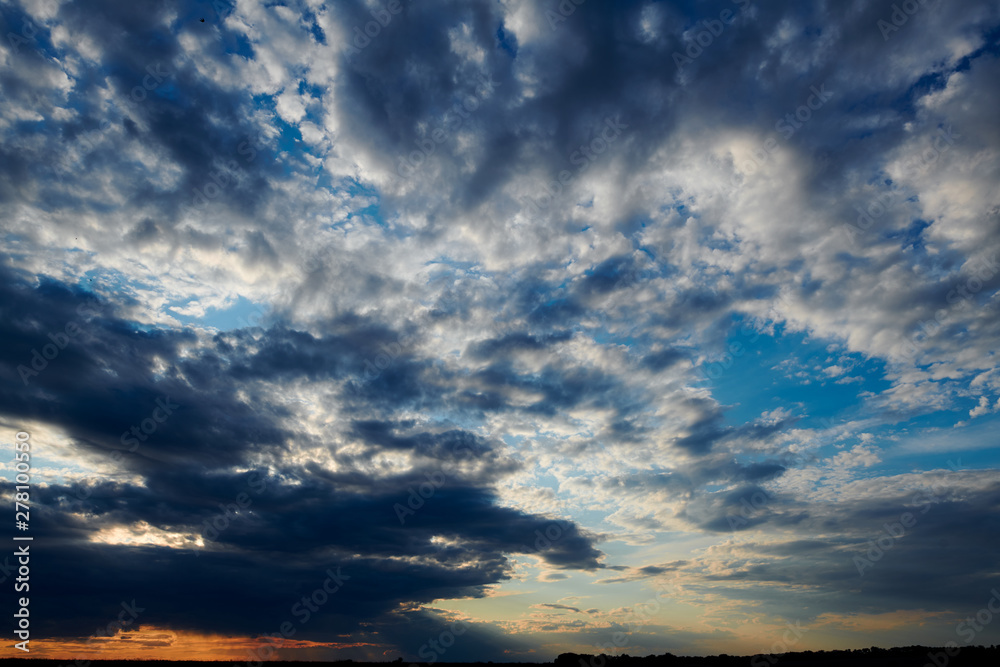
(906, 656)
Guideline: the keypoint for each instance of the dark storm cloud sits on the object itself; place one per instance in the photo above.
(102, 382)
(235, 592)
(291, 533)
(110, 377)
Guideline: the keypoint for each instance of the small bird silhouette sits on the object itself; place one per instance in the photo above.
(203, 20)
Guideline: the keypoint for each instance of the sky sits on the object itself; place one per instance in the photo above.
(497, 329)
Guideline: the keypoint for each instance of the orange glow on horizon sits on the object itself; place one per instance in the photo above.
(152, 643)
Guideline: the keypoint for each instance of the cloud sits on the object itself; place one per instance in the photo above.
(645, 572)
(188, 472)
(556, 606)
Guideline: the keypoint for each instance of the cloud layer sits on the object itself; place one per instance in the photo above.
(474, 298)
